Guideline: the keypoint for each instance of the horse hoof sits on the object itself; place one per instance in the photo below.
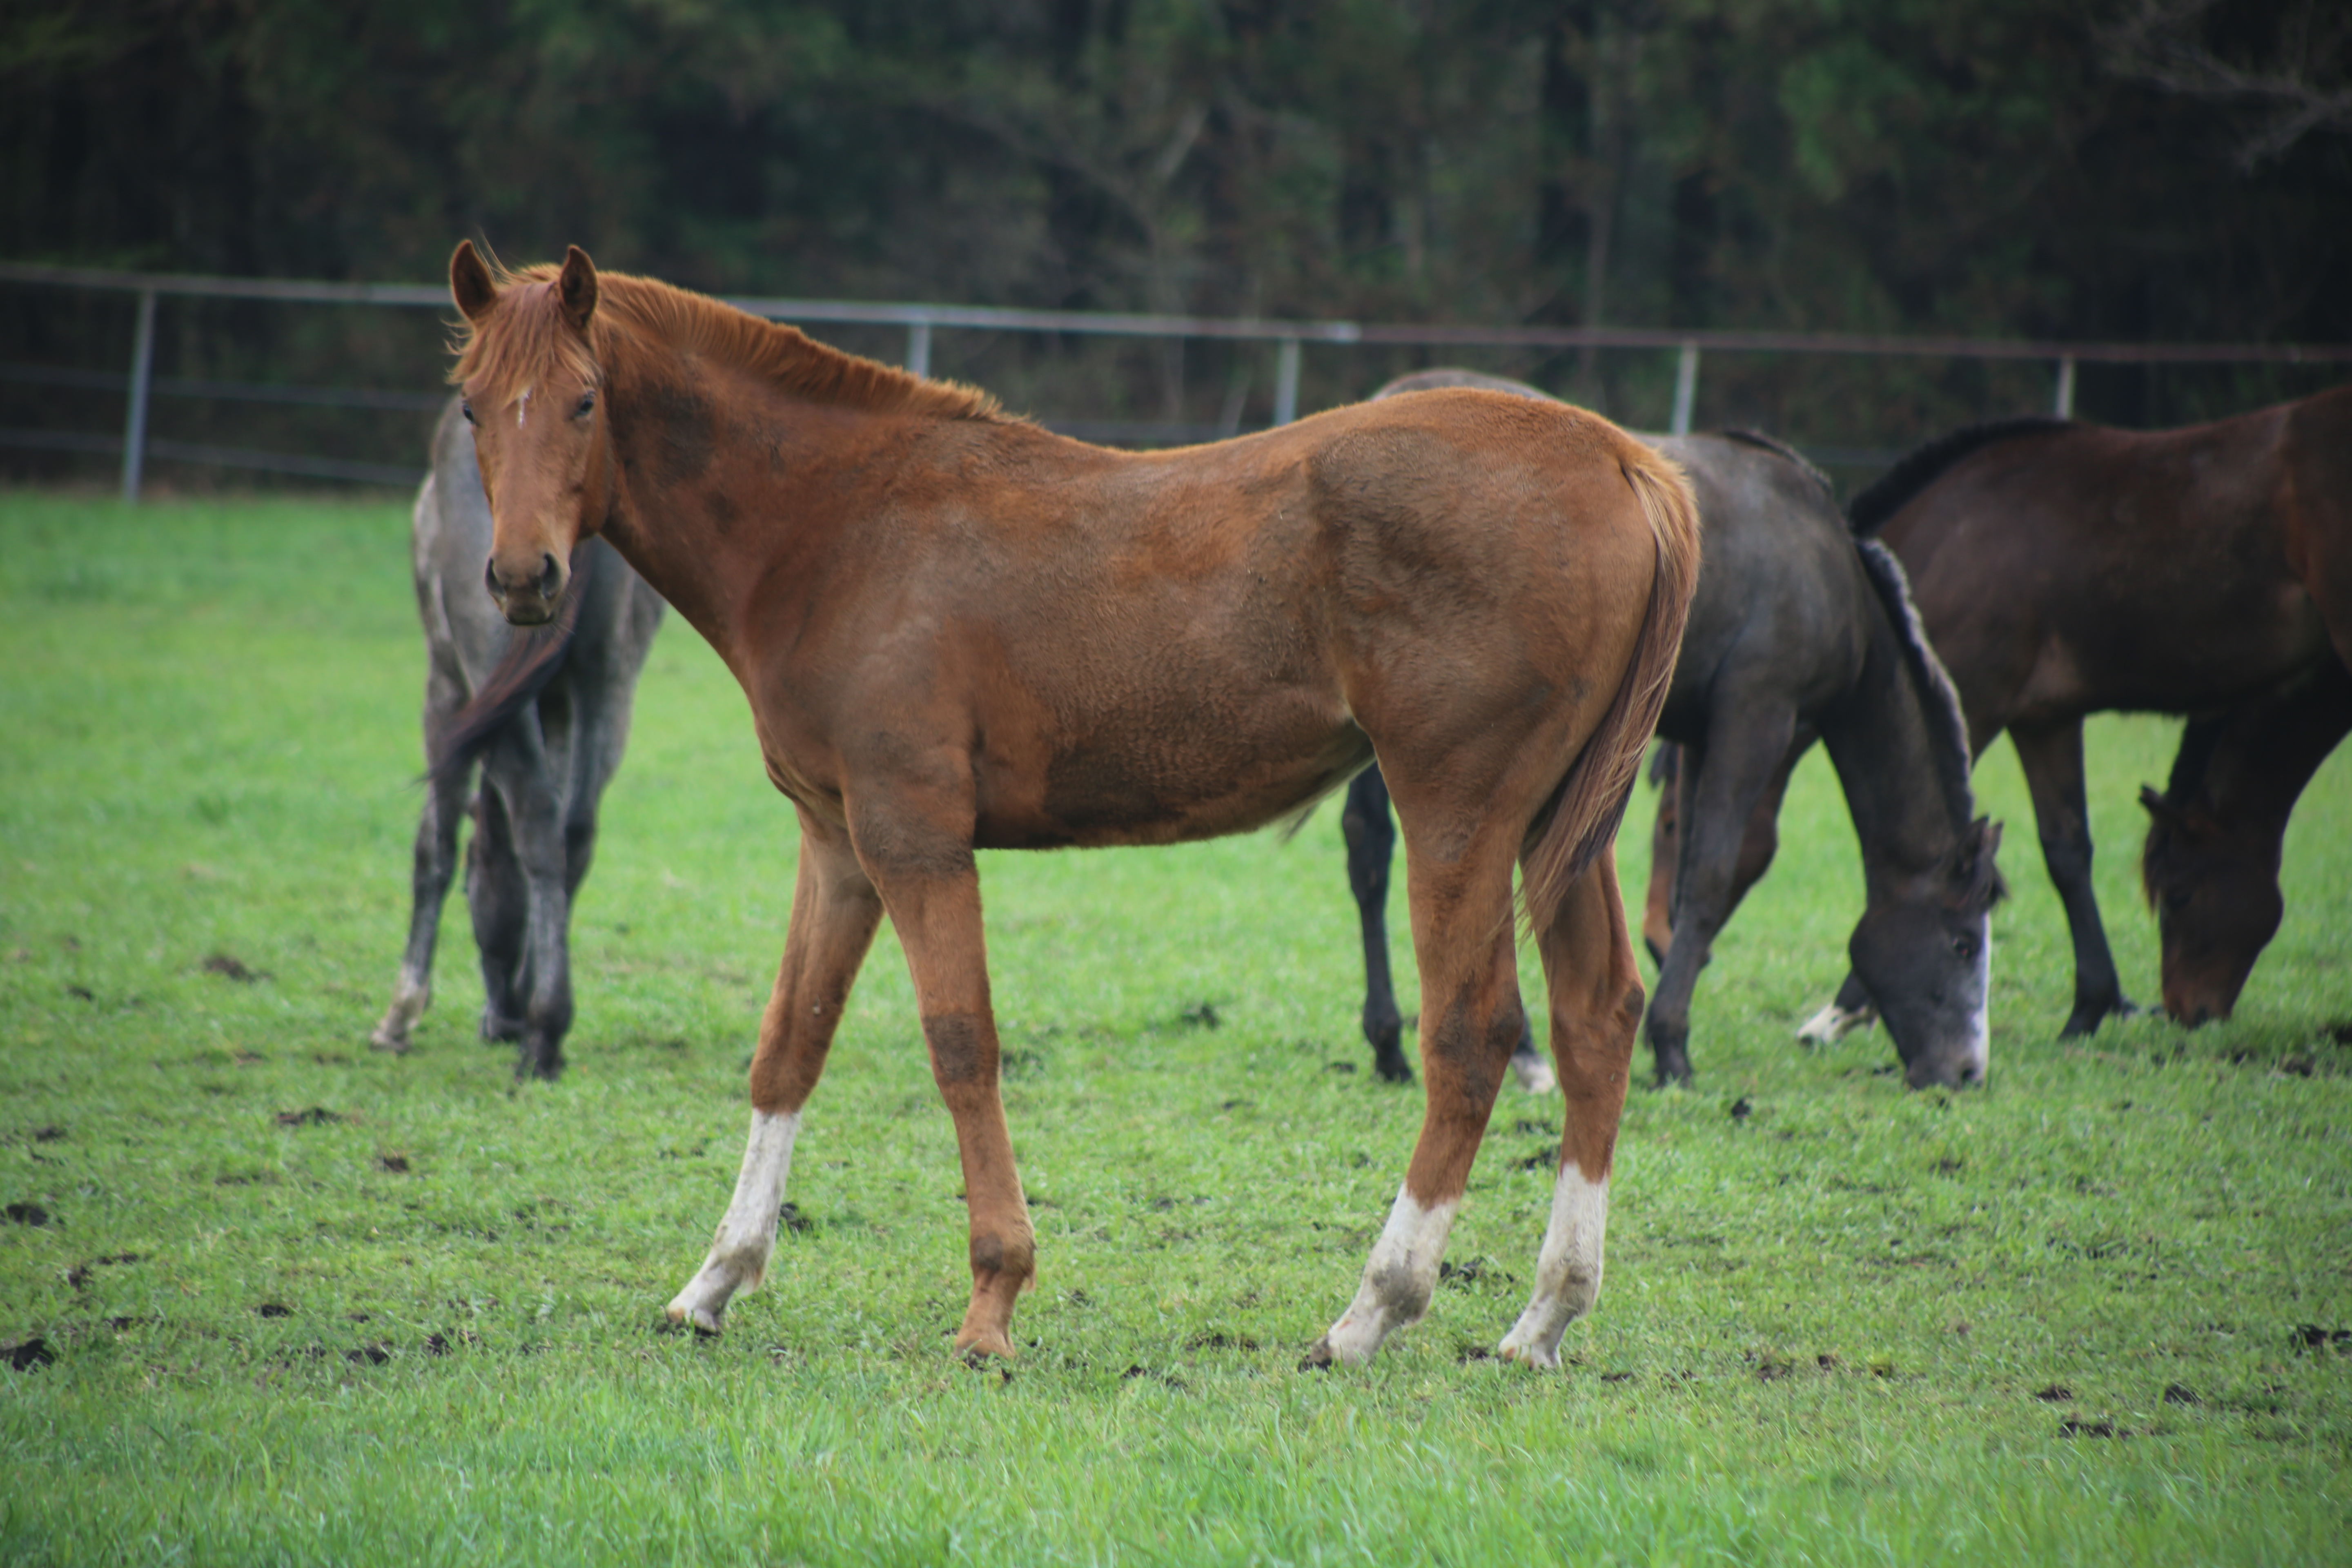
(386, 1041)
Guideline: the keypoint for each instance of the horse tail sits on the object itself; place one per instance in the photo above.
(1586, 809)
(533, 659)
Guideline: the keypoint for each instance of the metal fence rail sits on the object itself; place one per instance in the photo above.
(921, 320)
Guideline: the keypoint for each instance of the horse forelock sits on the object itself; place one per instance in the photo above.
(1948, 729)
(526, 339)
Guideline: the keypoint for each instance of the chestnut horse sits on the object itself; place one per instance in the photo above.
(2065, 569)
(956, 629)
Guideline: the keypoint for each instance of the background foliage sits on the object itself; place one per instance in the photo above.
(2009, 167)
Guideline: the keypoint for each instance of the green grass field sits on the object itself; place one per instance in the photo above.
(303, 1302)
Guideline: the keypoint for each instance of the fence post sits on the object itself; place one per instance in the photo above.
(143, 366)
(1286, 380)
(919, 347)
(2064, 403)
(1685, 387)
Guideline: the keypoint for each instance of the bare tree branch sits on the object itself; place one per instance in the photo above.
(2304, 85)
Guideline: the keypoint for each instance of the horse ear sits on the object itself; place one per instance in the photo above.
(471, 283)
(1975, 877)
(2163, 810)
(576, 285)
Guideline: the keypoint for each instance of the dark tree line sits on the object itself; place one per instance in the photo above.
(2133, 169)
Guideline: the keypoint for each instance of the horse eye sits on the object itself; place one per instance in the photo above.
(1966, 946)
(587, 406)
(465, 408)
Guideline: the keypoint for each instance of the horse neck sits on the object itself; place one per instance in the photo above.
(680, 511)
(1880, 740)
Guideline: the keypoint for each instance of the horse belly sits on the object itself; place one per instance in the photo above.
(1130, 784)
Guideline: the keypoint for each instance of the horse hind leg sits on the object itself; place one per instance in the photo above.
(1471, 1021)
(1366, 825)
(1595, 993)
(835, 915)
(528, 905)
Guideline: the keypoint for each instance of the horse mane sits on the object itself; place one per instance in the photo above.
(530, 337)
(1789, 454)
(1921, 466)
(1947, 731)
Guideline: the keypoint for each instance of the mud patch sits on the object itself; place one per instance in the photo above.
(273, 1309)
(317, 1116)
(27, 1355)
(2180, 1394)
(1218, 1339)
(2307, 1337)
(78, 1276)
(397, 1165)
(1339, 1066)
(1473, 1273)
(2055, 1394)
(374, 1354)
(228, 967)
(47, 1134)
(26, 1214)
(2071, 1427)
(1541, 1160)
(1741, 1110)
(791, 1218)
(1201, 1016)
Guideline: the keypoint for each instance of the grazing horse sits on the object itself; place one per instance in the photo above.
(546, 713)
(2211, 862)
(956, 629)
(1797, 632)
(2064, 569)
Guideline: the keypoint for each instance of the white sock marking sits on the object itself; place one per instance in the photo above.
(1568, 1271)
(739, 1252)
(1398, 1281)
(1833, 1024)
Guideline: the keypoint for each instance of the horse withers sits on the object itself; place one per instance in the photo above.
(546, 714)
(956, 629)
(2064, 569)
(1796, 633)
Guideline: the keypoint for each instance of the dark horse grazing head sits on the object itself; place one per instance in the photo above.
(547, 492)
(1925, 957)
(2214, 887)
(2215, 835)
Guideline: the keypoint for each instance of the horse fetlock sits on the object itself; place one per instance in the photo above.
(730, 1270)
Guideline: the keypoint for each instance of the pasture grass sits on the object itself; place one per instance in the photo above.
(304, 1302)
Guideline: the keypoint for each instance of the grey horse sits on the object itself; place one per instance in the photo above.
(546, 714)
(1797, 632)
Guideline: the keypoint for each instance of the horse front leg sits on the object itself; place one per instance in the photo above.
(1724, 783)
(1471, 1021)
(2052, 756)
(1595, 993)
(835, 914)
(435, 863)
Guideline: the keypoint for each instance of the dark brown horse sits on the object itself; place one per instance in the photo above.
(2211, 862)
(956, 629)
(2066, 569)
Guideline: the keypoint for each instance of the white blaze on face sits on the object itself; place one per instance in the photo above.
(1568, 1271)
(522, 407)
(1398, 1281)
(1980, 1023)
(739, 1252)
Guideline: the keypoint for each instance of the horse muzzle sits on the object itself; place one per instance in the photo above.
(527, 596)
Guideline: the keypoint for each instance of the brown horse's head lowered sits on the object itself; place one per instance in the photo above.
(530, 392)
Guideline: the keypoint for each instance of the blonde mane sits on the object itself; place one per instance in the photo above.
(526, 338)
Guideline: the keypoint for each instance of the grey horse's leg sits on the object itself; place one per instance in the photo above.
(528, 907)
(1370, 833)
(1723, 781)
(495, 895)
(435, 863)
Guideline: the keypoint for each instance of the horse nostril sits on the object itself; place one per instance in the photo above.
(490, 579)
(550, 577)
